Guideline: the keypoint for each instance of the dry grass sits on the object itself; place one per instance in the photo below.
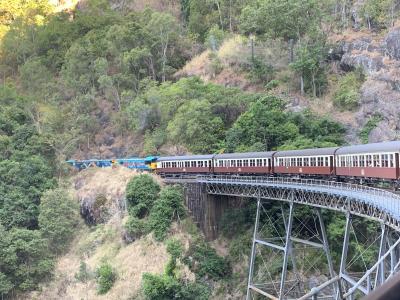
(104, 243)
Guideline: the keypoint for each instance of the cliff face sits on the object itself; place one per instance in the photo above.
(379, 57)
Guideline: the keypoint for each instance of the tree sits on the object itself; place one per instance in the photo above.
(288, 19)
(165, 28)
(25, 260)
(141, 194)
(58, 218)
(168, 207)
(265, 122)
(193, 120)
(309, 64)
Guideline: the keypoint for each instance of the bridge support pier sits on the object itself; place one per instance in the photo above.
(206, 209)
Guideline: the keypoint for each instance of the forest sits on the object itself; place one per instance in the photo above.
(101, 80)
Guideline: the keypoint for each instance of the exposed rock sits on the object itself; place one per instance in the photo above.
(368, 63)
(378, 97)
(392, 44)
(383, 132)
(101, 193)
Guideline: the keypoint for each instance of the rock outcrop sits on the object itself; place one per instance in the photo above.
(380, 94)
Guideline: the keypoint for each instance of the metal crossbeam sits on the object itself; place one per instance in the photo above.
(373, 204)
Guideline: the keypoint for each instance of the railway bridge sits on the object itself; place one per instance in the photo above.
(291, 257)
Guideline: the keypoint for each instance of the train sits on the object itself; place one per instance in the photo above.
(358, 163)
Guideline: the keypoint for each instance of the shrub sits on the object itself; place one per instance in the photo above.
(272, 84)
(260, 71)
(141, 193)
(348, 96)
(369, 126)
(159, 287)
(174, 248)
(164, 287)
(83, 275)
(215, 38)
(169, 207)
(105, 278)
(204, 261)
(59, 215)
(136, 228)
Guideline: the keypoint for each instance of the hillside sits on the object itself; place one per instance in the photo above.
(105, 79)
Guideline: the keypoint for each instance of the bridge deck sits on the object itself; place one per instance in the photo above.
(384, 200)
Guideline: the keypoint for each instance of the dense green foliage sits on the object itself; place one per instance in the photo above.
(266, 126)
(25, 260)
(164, 287)
(205, 262)
(105, 278)
(141, 194)
(168, 208)
(347, 95)
(58, 218)
(151, 210)
(90, 78)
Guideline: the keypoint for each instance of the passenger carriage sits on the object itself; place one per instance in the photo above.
(185, 164)
(243, 163)
(308, 161)
(378, 160)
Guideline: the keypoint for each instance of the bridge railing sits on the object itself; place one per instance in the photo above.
(333, 185)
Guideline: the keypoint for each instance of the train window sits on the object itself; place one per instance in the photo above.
(385, 160)
(362, 161)
(376, 161)
(252, 162)
(369, 161)
(200, 164)
(306, 161)
(245, 163)
(233, 163)
(355, 161)
(313, 161)
(320, 161)
(326, 161)
(292, 162)
(220, 163)
(174, 164)
(259, 162)
(391, 161)
(239, 163)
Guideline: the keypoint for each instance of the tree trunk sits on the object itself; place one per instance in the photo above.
(313, 85)
(344, 17)
(230, 16)
(302, 84)
(291, 50)
(220, 14)
(164, 59)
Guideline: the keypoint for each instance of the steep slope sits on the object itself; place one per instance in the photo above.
(103, 191)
